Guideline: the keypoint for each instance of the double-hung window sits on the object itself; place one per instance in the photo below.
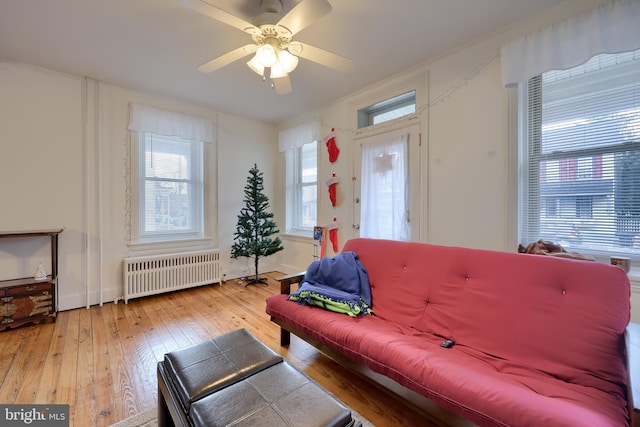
(300, 145)
(580, 156)
(168, 195)
(170, 187)
(302, 188)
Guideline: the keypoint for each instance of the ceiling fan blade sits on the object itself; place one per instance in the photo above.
(282, 85)
(321, 56)
(227, 58)
(218, 14)
(304, 14)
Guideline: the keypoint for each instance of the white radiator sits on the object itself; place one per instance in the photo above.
(152, 275)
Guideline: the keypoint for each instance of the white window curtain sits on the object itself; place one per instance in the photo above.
(384, 181)
(300, 135)
(160, 122)
(611, 27)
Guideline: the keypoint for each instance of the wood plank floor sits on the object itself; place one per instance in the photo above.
(102, 361)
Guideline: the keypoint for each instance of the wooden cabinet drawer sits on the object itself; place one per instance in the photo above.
(26, 301)
(29, 288)
(27, 306)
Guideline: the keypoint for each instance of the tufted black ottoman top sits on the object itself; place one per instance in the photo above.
(235, 380)
(211, 365)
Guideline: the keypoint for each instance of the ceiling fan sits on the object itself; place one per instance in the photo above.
(272, 39)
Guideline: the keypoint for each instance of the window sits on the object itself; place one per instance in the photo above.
(302, 188)
(386, 110)
(170, 187)
(580, 156)
(299, 143)
(552, 207)
(167, 194)
(584, 206)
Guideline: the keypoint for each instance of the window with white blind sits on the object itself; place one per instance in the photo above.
(170, 187)
(302, 188)
(580, 157)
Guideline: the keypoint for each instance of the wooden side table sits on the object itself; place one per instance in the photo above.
(29, 300)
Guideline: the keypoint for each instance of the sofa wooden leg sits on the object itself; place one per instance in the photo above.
(285, 337)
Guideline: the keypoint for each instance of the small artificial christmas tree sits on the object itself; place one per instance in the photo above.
(255, 225)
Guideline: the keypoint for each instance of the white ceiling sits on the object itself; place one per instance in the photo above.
(156, 45)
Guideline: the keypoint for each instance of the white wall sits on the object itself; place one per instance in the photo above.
(65, 163)
(41, 170)
(468, 167)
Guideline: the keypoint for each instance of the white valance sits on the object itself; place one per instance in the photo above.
(300, 135)
(153, 120)
(612, 27)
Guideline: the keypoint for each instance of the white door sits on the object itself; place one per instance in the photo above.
(387, 185)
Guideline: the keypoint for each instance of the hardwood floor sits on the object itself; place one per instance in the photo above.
(102, 361)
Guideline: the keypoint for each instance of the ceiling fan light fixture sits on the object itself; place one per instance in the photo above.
(256, 65)
(267, 55)
(288, 61)
(272, 32)
(277, 71)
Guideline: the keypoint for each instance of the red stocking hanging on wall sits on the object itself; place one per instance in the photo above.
(332, 183)
(332, 147)
(333, 234)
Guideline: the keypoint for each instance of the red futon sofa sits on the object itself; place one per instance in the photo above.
(539, 340)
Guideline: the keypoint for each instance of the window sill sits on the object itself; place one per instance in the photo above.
(303, 238)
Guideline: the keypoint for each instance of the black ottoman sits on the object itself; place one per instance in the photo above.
(234, 379)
